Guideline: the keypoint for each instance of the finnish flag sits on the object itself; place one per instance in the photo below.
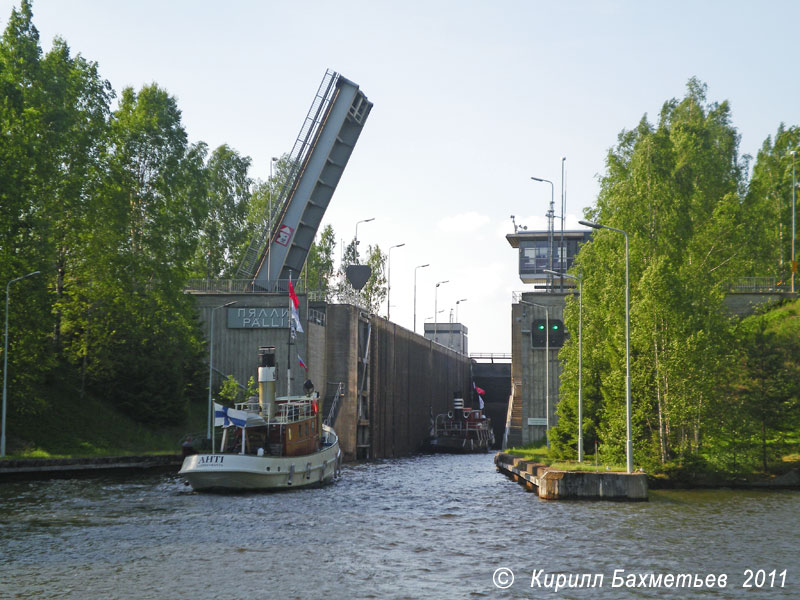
(225, 417)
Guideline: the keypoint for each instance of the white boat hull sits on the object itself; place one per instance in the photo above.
(247, 472)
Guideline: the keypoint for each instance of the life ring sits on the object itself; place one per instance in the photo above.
(449, 414)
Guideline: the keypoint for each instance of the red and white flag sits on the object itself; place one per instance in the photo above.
(294, 306)
(480, 393)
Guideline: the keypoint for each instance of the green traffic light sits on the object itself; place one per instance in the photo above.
(541, 327)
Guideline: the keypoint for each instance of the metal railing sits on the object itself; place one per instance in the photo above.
(300, 152)
(246, 286)
(755, 285)
(444, 425)
(490, 356)
(243, 286)
(331, 418)
(316, 316)
(739, 285)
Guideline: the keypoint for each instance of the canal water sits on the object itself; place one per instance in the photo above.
(445, 527)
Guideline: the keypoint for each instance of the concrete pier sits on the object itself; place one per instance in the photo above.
(572, 485)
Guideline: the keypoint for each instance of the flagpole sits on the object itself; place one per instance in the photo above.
(289, 347)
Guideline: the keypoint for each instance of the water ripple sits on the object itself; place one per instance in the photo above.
(422, 527)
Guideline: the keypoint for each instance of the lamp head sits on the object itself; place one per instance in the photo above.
(591, 224)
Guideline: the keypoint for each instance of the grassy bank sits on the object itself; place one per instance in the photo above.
(62, 423)
(671, 475)
(540, 454)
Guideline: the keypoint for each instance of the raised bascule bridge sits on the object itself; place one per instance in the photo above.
(380, 382)
(316, 163)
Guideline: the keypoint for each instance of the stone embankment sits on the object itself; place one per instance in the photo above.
(551, 484)
(45, 468)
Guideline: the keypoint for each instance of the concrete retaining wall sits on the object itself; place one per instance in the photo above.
(742, 304)
(573, 485)
(45, 468)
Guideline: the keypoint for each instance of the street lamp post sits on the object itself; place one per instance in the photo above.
(580, 361)
(211, 371)
(389, 282)
(436, 311)
(269, 215)
(562, 250)
(363, 221)
(415, 293)
(457, 321)
(546, 368)
(629, 444)
(457, 303)
(5, 365)
(550, 216)
(794, 184)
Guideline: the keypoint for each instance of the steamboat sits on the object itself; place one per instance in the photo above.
(268, 443)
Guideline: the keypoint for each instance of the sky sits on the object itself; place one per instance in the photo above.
(471, 99)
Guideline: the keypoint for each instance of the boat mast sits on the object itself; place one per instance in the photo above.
(289, 345)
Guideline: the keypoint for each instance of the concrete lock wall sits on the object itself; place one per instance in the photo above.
(341, 351)
(236, 348)
(412, 380)
(529, 370)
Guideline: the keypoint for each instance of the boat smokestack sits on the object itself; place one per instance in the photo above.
(458, 405)
(267, 371)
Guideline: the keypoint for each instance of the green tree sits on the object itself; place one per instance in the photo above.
(373, 293)
(769, 385)
(22, 237)
(53, 116)
(769, 198)
(224, 232)
(78, 109)
(143, 340)
(230, 390)
(675, 189)
(320, 263)
(267, 203)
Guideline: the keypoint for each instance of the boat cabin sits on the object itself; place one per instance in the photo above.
(294, 430)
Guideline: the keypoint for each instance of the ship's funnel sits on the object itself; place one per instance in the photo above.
(458, 405)
(266, 381)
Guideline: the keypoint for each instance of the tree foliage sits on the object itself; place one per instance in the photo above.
(678, 188)
(770, 197)
(320, 264)
(108, 206)
(224, 232)
(373, 293)
(116, 209)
